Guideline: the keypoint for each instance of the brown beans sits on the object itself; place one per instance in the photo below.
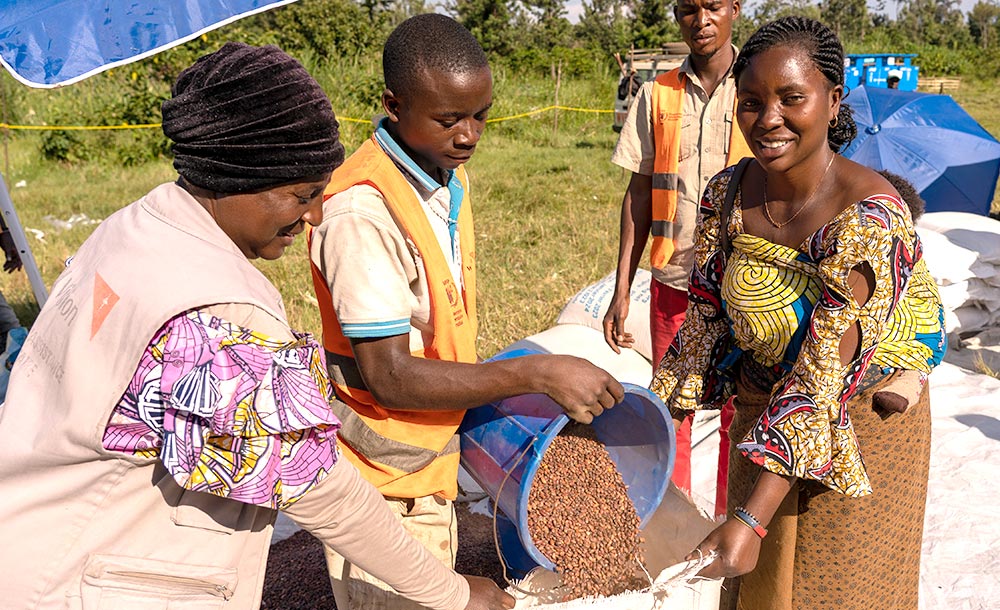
(581, 518)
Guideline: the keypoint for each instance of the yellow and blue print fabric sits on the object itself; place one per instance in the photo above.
(788, 309)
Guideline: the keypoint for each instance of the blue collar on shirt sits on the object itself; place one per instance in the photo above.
(455, 191)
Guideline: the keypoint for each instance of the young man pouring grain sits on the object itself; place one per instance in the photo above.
(394, 272)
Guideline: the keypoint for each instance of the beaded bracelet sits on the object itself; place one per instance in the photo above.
(750, 521)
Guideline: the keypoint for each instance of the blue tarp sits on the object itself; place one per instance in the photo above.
(931, 141)
(46, 43)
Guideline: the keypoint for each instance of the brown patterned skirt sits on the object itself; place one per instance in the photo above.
(824, 550)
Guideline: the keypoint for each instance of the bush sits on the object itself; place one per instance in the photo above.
(62, 146)
(539, 62)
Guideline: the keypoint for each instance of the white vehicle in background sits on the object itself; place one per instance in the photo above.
(639, 66)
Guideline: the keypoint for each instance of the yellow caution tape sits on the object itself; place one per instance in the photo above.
(76, 127)
(340, 118)
(352, 120)
(546, 109)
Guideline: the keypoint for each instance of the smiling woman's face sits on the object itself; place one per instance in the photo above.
(785, 106)
(263, 223)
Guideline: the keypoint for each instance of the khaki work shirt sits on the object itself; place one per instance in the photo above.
(705, 130)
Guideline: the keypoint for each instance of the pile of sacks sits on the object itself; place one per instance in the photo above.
(963, 255)
(579, 331)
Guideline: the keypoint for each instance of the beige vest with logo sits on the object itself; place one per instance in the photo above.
(82, 527)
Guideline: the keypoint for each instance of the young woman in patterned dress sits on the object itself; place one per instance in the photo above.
(820, 300)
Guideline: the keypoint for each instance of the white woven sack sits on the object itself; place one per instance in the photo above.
(676, 588)
(955, 296)
(588, 343)
(588, 307)
(984, 294)
(980, 234)
(948, 262)
(966, 319)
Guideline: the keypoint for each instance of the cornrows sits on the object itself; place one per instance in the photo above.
(823, 48)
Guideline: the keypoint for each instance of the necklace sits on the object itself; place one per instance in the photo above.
(767, 213)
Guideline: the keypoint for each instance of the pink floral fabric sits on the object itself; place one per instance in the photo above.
(229, 411)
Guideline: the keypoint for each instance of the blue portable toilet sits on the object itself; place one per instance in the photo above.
(874, 70)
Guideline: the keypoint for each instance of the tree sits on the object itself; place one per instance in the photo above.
(983, 21)
(769, 10)
(490, 21)
(847, 18)
(605, 25)
(653, 23)
(934, 22)
(546, 20)
(327, 28)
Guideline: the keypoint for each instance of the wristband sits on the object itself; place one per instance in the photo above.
(750, 521)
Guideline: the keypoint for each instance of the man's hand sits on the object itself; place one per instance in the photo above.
(13, 262)
(738, 547)
(583, 390)
(614, 324)
(485, 595)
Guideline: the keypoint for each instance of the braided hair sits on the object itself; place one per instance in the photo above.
(823, 48)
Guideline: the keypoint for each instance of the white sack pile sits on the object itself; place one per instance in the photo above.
(587, 308)
(963, 255)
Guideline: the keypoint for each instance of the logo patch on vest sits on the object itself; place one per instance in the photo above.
(104, 301)
(455, 301)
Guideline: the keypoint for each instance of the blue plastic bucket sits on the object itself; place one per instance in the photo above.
(503, 443)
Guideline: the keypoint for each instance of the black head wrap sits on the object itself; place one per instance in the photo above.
(245, 118)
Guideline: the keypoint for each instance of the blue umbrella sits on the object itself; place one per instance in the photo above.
(46, 43)
(929, 140)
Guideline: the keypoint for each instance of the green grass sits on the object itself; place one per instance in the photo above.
(547, 204)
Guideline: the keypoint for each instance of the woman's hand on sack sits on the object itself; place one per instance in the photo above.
(485, 595)
(737, 546)
(614, 324)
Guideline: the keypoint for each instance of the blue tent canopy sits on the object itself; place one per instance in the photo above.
(929, 140)
(47, 43)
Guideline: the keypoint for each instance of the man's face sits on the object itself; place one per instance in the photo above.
(439, 123)
(706, 25)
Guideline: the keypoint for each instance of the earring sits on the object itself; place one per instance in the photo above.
(835, 122)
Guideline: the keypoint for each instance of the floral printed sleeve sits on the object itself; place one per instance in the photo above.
(687, 378)
(806, 431)
(229, 411)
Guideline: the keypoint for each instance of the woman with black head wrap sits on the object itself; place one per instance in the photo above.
(162, 410)
(809, 299)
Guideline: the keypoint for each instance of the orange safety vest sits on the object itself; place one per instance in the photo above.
(406, 454)
(667, 111)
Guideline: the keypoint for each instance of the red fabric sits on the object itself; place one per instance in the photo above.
(722, 478)
(666, 313)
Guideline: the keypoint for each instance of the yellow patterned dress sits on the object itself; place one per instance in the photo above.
(778, 315)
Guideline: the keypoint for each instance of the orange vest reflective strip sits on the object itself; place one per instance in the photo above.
(667, 112)
(404, 454)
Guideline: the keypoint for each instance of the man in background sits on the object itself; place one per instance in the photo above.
(678, 134)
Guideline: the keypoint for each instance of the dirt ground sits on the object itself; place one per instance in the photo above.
(296, 570)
